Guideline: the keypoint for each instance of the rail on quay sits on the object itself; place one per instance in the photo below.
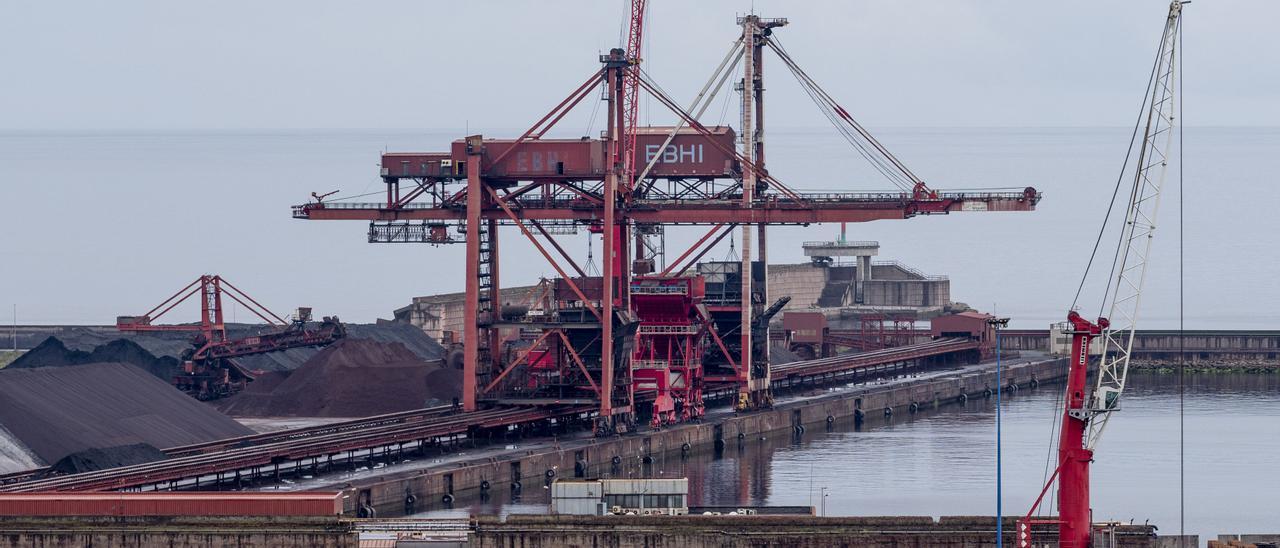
(260, 455)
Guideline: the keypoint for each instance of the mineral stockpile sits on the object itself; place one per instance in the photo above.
(160, 353)
(350, 378)
(95, 415)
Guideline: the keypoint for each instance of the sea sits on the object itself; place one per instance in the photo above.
(109, 223)
(1202, 460)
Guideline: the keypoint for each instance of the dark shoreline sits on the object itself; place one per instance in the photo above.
(1207, 366)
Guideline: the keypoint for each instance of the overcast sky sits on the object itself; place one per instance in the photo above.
(422, 64)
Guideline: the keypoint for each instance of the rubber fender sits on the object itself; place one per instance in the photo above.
(550, 473)
(888, 411)
(914, 407)
(447, 499)
(616, 460)
(685, 447)
(484, 485)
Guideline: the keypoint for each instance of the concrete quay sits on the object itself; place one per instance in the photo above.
(534, 531)
(170, 531)
(768, 531)
(428, 485)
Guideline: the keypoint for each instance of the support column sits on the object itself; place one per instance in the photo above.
(757, 87)
(471, 316)
(746, 380)
(609, 238)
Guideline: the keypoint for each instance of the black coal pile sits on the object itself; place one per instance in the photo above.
(53, 352)
(105, 409)
(780, 354)
(160, 352)
(101, 458)
(351, 378)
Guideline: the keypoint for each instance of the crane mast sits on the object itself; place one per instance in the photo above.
(631, 91)
(1137, 232)
(1084, 419)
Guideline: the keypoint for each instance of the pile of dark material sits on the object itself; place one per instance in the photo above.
(160, 352)
(161, 362)
(100, 414)
(353, 377)
(101, 458)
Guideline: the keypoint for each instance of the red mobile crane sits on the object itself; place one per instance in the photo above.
(209, 367)
(1084, 418)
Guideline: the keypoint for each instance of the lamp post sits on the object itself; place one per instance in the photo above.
(997, 324)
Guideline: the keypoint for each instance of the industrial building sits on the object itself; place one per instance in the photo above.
(843, 292)
(639, 497)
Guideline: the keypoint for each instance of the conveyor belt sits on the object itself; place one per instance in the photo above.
(847, 362)
(230, 455)
(291, 445)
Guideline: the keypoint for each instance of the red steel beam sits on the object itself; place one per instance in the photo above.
(525, 230)
(572, 100)
(559, 249)
(686, 253)
(523, 355)
(581, 366)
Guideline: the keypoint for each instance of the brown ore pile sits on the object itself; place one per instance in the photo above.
(350, 378)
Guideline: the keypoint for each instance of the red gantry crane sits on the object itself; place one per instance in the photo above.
(631, 181)
(1085, 416)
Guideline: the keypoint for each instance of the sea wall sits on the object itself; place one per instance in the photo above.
(609, 456)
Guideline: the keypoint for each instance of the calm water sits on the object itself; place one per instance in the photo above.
(103, 224)
(943, 462)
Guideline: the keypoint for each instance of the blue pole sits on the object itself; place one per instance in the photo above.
(999, 492)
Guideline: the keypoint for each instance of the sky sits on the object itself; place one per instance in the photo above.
(145, 143)
(148, 65)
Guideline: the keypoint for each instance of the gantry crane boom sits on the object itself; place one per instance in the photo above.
(628, 182)
(1084, 419)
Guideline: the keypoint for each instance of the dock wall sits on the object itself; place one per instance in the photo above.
(779, 531)
(610, 456)
(166, 532)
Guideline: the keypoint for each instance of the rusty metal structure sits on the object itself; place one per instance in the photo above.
(209, 367)
(637, 340)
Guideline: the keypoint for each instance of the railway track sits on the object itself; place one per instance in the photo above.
(403, 417)
(217, 460)
(209, 460)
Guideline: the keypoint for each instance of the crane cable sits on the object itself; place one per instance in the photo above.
(1182, 340)
(853, 132)
(1124, 167)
